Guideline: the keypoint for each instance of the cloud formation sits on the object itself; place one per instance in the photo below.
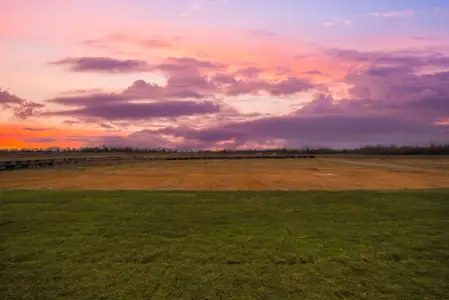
(8, 98)
(406, 59)
(103, 64)
(140, 111)
(180, 83)
(118, 66)
(302, 130)
(21, 108)
(35, 129)
(336, 21)
(389, 102)
(189, 78)
(193, 87)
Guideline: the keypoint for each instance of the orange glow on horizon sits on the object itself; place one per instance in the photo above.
(15, 136)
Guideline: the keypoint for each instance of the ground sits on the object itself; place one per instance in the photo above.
(335, 173)
(279, 244)
(224, 245)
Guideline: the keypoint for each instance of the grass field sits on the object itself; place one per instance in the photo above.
(224, 245)
(290, 174)
(75, 232)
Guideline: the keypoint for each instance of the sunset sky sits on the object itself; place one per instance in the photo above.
(230, 74)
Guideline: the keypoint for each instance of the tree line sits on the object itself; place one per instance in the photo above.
(432, 149)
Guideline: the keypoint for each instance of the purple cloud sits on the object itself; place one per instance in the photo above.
(402, 92)
(314, 72)
(386, 105)
(27, 109)
(149, 139)
(189, 85)
(288, 86)
(103, 64)
(35, 129)
(140, 139)
(8, 98)
(141, 111)
(185, 94)
(186, 64)
(193, 81)
(250, 72)
(139, 90)
(107, 64)
(330, 130)
(224, 79)
(87, 100)
(187, 78)
(410, 59)
(21, 108)
(390, 101)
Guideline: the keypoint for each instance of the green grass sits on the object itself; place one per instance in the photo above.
(224, 245)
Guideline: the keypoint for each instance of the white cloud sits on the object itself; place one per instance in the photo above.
(336, 21)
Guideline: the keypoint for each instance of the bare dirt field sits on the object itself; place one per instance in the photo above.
(302, 174)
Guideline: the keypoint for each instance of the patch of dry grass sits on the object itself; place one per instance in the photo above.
(316, 174)
(426, 162)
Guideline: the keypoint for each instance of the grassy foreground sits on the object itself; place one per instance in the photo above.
(224, 245)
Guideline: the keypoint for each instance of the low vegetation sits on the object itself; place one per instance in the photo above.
(431, 149)
(224, 245)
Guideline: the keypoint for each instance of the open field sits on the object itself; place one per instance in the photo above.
(437, 162)
(224, 245)
(337, 173)
(80, 244)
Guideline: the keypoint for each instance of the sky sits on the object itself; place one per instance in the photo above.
(216, 74)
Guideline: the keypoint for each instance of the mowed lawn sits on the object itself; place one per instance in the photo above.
(224, 245)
